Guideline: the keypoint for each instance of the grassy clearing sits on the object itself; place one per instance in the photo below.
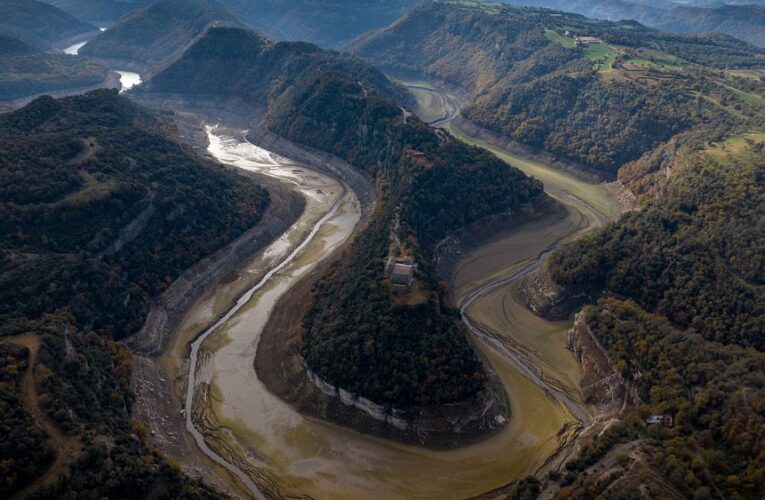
(603, 55)
(747, 97)
(742, 73)
(556, 37)
(94, 188)
(655, 64)
(489, 7)
(735, 147)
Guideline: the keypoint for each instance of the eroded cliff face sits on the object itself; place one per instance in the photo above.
(437, 426)
(603, 385)
(548, 299)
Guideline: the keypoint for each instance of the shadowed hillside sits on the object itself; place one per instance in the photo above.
(328, 23)
(26, 71)
(158, 32)
(99, 12)
(39, 24)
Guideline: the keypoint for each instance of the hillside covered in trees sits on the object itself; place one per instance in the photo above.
(696, 254)
(681, 316)
(101, 209)
(401, 351)
(26, 71)
(714, 393)
(39, 24)
(601, 105)
(158, 32)
(744, 20)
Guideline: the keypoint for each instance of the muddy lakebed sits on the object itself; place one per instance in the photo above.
(275, 451)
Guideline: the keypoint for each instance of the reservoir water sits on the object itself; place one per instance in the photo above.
(128, 79)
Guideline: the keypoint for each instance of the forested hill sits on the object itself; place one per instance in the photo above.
(238, 62)
(39, 24)
(404, 350)
(745, 21)
(328, 23)
(159, 32)
(99, 12)
(26, 71)
(688, 330)
(602, 105)
(101, 209)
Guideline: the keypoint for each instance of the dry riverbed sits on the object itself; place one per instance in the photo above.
(283, 453)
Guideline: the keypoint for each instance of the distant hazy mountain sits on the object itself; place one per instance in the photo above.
(37, 23)
(27, 71)
(328, 23)
(158, 32)
(744, 20)
(99, 11)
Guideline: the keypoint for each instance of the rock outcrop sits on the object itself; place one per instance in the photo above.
(602, 384)
(548, 299)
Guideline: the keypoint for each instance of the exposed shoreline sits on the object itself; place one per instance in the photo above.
(277, 366)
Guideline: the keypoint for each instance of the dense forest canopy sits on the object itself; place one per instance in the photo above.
(688, 326)
(402, 351)
(602, 105)
(714, 393)
(696, 254)
(100, 210)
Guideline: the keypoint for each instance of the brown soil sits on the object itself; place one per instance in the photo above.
(67, 448)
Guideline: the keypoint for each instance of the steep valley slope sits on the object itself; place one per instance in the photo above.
(102, 209)
(159, 32)
(39, 24)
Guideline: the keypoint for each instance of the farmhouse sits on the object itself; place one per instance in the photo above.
(402, 275)
(586, 40)
(665, 420)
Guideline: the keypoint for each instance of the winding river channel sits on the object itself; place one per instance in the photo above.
(275, 451)
(128, 79)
